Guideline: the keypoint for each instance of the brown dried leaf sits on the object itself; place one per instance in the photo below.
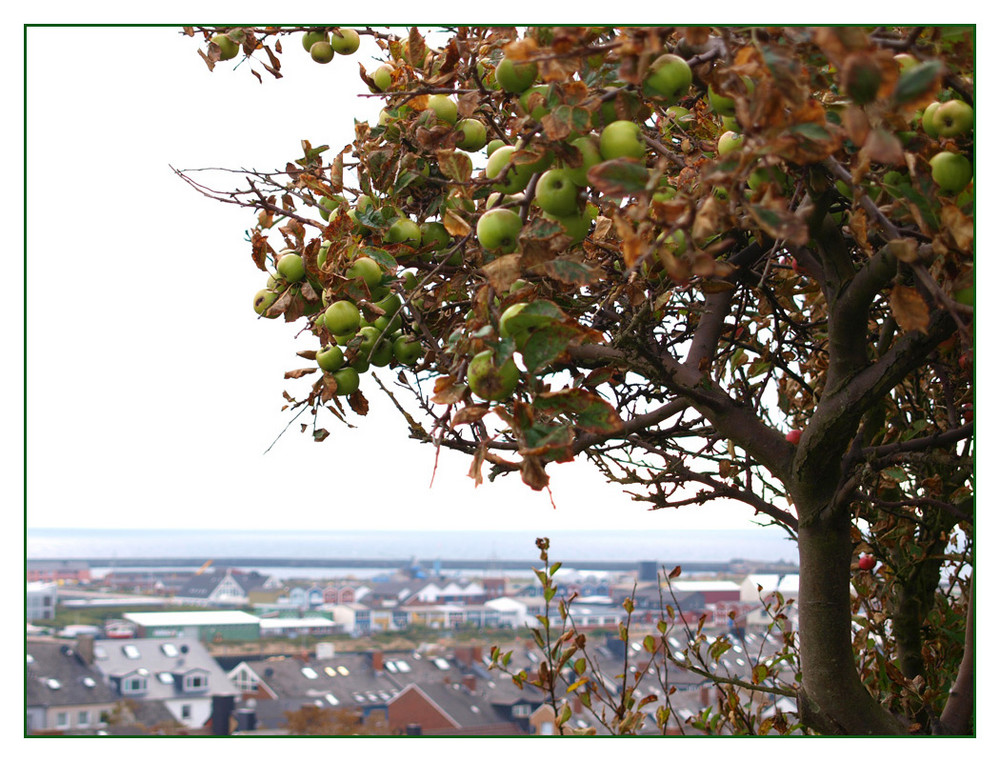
(909, 308)
(469, 414)
(520, 50)
(447, 390)
(904, 249)
(958, 225)
(884, 148)
(358, 402)
(533, 473)
(455, 225)
(299, 373)
(503, 271)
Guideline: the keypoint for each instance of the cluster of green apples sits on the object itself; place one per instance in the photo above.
(355, 344)
(322, 44)
(952, 119)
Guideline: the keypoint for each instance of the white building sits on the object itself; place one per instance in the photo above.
(41, 600)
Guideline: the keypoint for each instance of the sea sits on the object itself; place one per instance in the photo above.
(667, 548)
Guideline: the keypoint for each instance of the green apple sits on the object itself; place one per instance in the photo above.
(228, 47)
(330, 358)
(445, 108)
(953, 118)
(312, 37)
(493, 145)
(676, 116)
(951, 171)
(342, 318)
(382, 354)
(576, 226)
(664, 193)
(382, 77)
(263, 300)
(329, 204)
(905, 61)
(370, 336)
(435, 235)
(556, 193)
(721, 105)
(390, 304)
(344, 41)
(517, 177)
(497, 230)
(404, 230)
(473, 134)
(291, 267)
(927, 120)
(622, 139)
(366, 268)
(590, 148)
(321, 52)
(516, 77)
(668, 79)
(407, 349)
(487, 381)
(540, 109)
(347, 380)
(729, 142)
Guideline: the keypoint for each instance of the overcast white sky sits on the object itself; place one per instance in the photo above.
(153, 390)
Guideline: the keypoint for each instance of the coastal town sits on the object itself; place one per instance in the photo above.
(422, 650)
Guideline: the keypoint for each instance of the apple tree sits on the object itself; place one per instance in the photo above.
(718, 263)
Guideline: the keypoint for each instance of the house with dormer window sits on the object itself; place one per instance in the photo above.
(223, 588)
(63, 693)
(179, 672)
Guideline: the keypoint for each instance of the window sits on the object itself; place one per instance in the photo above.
(195, 682)
(134, 685)
(185, 711)
(62, 720)
(131, 652)
(521, 710)
(82, 719)
(170, 650)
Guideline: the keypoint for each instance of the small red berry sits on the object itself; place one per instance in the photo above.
(866, 562)
(794, 436)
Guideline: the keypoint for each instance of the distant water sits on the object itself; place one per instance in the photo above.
(759, 544)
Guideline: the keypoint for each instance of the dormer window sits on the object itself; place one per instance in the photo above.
(135, 684)
(195, 682)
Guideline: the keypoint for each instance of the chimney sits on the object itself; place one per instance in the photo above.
(463, 655)
(469, 681)
(222, 710)
(246, 716)
(477, 654)
(377, 664)
(85, 648)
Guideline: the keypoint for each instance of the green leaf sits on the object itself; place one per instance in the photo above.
(917, 82)
(544, 345)
(812, 131)
(759, 674)
(618, 177)
(385, 260)
(649, 643)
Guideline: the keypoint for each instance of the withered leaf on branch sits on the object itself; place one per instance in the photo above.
(533, 472)
(469, 414)
(299, 373)
(503, 271)
(447, 390)
(959, 226)
(358, 402)
(909, 308)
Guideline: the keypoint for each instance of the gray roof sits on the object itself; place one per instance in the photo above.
(75, 682)
(165, 662)
(469, 709)
(316, 679)
(202, 585)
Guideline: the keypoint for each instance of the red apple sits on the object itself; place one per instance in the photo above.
(866, 562)
(794, 436)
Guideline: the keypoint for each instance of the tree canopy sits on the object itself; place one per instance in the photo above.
(730, 262)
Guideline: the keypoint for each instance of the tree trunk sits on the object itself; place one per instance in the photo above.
(833, 699)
